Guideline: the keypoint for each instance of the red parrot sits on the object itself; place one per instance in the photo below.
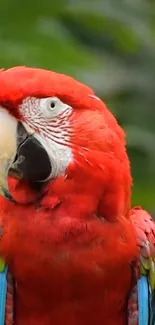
(73, 245)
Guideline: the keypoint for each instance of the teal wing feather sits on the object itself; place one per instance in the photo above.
(3, 284)
(142, 298)
(3, 291)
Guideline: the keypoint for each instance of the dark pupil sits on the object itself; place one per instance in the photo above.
(52, 104)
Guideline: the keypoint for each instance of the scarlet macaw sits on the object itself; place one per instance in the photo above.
(77, 252)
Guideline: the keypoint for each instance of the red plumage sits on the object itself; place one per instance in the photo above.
(68, 262)
(71, 248)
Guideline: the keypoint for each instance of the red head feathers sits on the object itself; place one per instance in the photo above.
(81, 134)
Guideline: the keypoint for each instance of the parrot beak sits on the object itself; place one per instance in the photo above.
(8, 129)
(21, 154)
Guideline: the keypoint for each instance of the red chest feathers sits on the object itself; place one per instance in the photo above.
(66, 268)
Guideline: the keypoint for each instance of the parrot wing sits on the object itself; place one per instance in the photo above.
(6, 291)
(142, 298)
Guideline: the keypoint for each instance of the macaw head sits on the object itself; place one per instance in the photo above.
(54, 128)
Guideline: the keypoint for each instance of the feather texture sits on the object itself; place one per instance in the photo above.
(70, 246)
(3, 292)
(144, 291)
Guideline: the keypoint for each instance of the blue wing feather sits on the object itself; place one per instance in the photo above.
(143, 301)
(144, 227)
(3, 292)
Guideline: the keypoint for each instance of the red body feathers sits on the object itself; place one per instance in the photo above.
(71, 248)
(70, 264)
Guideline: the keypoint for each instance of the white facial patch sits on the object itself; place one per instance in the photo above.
(49, 118)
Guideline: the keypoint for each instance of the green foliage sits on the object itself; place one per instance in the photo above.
(108, 44)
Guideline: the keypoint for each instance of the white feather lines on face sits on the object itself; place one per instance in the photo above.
(49, 118)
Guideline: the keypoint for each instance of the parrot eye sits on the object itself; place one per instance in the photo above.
(52, 104)
(51, 107)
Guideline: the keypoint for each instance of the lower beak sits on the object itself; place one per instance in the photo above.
(21, 154)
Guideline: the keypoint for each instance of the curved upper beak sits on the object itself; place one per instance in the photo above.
(8, 148)
(21, 154)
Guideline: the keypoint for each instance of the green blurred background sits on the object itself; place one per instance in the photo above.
(108, 44)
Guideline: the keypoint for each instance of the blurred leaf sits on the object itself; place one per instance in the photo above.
(143, 139)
